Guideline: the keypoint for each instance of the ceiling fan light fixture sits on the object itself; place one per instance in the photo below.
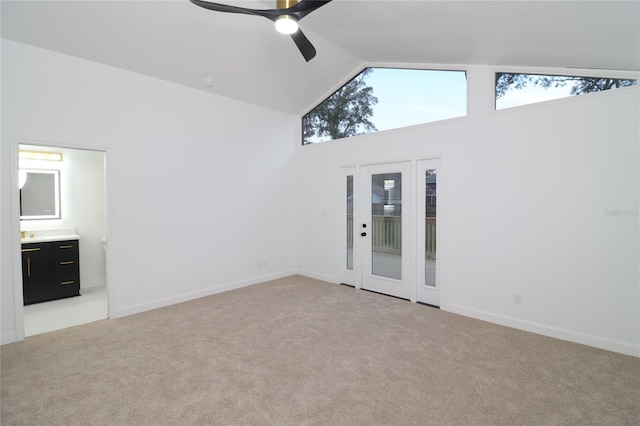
(286, 16)
(286, 24)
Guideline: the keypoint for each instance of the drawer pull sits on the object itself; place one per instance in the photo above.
(30, 249)
(67, 262)
(28, 266)
(66, 247)
(67, 282)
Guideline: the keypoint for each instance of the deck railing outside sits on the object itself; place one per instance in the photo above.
(387, 231)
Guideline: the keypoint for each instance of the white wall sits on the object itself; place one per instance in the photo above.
(199, 188)
(526, 195)
(201, 191)
(81, 203)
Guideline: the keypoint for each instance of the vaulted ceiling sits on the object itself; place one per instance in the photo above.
(249, 61)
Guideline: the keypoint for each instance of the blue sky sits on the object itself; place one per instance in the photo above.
(532, 94)
(409, 97)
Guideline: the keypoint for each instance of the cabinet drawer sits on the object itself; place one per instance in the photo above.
(66, 287)
(70, 280)
(70, 246)
(66, 259)
(67, 266)
(36, 248)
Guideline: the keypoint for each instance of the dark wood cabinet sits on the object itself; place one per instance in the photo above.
(50, 270)
(66, 260)
(37, 272)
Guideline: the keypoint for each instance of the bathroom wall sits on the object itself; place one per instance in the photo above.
(82, 205)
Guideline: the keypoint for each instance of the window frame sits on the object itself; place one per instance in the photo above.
(387, 65)
(560, 72)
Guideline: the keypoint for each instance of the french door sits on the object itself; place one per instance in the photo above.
(377, 253)
(384, 228)
(388, 235)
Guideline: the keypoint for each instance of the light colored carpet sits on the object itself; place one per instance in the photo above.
(298, 351)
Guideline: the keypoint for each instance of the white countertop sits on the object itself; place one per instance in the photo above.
(49, 238)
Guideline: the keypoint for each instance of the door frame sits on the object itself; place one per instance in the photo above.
(15, 224)
(346, 276)
(426, 294)
(402, 287)
(354, 278)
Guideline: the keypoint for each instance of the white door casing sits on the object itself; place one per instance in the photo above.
(385, 250)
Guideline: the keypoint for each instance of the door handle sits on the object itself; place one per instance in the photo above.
(364, 234)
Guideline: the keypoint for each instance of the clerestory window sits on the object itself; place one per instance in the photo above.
(514, 89)
(387, 98)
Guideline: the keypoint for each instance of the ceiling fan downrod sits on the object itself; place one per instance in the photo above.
(285, 4)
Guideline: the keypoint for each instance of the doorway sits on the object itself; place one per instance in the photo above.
(82, 211)
(389, 227)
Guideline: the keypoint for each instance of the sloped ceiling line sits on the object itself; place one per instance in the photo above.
(249, 61)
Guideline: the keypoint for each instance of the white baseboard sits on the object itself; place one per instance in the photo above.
(160, 303)
(558, 333)
(9, 337)
(321, 277)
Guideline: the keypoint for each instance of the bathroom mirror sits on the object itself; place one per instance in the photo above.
(40, 194)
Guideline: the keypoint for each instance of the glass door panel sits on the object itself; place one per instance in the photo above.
(349, 243)
(386, 225)
(428, 179)
(430, 226)
(349, 220)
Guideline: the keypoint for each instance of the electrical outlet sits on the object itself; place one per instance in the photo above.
(517, 298)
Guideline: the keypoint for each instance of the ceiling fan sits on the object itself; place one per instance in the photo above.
(286, 17)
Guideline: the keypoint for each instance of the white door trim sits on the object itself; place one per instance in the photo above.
(346, 276)
(424, 293)
(402, 286)
(19, 333)
(415, 225)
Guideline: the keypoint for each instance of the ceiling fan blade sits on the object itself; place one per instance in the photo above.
(299, 11)
(305, 7)
(232, 9)
(304, 45)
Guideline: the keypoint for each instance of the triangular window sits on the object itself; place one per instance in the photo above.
(514, 89)
(387, 98)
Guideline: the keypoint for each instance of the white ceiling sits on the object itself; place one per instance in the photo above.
(248, 60)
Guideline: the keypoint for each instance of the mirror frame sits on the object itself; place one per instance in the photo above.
(56, 214)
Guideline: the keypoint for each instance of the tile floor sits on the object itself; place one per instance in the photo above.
(91, 305)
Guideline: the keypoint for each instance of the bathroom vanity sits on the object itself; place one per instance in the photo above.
(50, 268)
